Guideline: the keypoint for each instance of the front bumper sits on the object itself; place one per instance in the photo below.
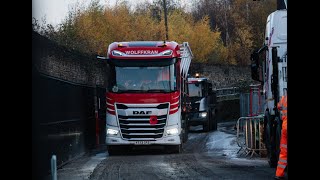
(195, 119)
(167, 140)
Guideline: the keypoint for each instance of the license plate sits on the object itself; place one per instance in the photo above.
(141, 142)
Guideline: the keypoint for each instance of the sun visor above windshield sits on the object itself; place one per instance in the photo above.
(142, 63)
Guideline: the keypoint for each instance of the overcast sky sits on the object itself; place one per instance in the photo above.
(55, 11)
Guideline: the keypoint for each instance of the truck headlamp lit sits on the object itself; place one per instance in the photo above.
(166, 53)
(112, 132)
(172, 131)
(203, 114)
(117, 53)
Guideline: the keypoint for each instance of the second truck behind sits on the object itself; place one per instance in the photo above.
(203, 104)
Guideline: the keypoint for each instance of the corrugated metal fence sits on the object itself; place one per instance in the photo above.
(64, 121)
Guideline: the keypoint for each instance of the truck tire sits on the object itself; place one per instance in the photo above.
(214, 120)
(113, 150)
(184, 128)
(211, 123)
(269, 140)
(186, 131)
(173, 149)
(206, 126)
(176, 149)
(278, 136)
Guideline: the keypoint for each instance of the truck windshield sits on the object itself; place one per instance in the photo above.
(195, 90)
(143, 79)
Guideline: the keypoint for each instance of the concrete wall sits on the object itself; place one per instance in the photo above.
(57, 61)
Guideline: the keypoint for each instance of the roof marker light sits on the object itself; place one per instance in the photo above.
(117, 53)
(163, 45)
(167, 53)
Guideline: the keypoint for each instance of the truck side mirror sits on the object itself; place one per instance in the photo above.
(101, 57)
(214, 96)
(255, 66)
(210, 88)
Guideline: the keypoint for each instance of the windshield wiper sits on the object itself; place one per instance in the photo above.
(158, 90)
(131, 90)
(143, 91)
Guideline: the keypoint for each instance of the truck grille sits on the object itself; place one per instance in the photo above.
(195, 107)
(138, 127)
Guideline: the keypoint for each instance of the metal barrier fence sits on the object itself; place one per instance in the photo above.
(250, 135)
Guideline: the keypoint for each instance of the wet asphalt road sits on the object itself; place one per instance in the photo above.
(210, 155)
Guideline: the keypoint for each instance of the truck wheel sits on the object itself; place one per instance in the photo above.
(214, 125)
(184, 128)
(214, 120)
(211, 123)
(269, 141)
(186, 132)
(278, 136)
(177, 149)
(113, 150)
(206, 125)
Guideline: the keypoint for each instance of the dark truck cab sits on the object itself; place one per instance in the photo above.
(203, 104)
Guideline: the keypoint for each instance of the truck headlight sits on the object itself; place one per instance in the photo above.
(203, 114)
(112, 132)
(173, 131)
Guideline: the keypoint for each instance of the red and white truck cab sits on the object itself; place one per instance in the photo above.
(146, 99)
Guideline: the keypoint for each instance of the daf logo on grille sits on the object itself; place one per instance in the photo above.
(142, 112)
